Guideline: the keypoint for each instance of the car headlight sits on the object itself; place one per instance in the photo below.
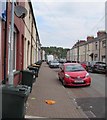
(87, 75)
(67, 76)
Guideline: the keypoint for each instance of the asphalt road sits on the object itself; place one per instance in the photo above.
(90, 99)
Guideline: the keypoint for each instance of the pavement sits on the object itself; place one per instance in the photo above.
(48, 87)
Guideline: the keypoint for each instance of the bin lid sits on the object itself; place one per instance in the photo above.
(28, 71)
(35, 65)
(21, 90)
(32, 67)
(36, 69)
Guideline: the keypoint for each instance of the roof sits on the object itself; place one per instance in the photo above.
(30, 4)
(90, 41)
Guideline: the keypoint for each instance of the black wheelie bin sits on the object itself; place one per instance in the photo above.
(14, 101)
(27, 78)
(36, 69)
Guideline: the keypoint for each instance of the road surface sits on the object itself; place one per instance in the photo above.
(76, 102)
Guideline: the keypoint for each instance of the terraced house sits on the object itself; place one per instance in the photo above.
(92, 49)
(26, 42)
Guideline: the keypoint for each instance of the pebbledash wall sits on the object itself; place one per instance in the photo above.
(25, 39)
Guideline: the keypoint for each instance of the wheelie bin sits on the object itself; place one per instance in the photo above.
(14, 101)
(27, 78)
(34, 75)
(36, 69)
(39, 62)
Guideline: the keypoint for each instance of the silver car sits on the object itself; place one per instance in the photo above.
(54, 64)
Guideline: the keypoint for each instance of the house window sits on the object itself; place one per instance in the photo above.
(14, 49)
(103, 58)
(95, 57)
(103, 43)
(96, 45)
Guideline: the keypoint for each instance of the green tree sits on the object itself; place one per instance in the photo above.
(59, 51)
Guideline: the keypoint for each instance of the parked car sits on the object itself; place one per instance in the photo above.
(96, 66)
(73, 74)
(54, 64)
(68, 61)
(84, 64)
(74, 61)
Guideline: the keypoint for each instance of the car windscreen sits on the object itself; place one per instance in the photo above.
(74, 68)
(54, 61)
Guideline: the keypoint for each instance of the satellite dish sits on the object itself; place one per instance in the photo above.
(20, 11)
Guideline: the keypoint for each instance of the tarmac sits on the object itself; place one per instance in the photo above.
(48, 87)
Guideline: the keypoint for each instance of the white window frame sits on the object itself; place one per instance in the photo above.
(103, 43)
(15, 44)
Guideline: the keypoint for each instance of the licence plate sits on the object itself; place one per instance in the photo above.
(77, 81)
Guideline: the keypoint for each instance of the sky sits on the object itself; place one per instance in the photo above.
(62, 23)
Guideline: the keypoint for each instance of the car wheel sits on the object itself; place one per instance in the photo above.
(59, 78)
(89, 84)
(63, 82)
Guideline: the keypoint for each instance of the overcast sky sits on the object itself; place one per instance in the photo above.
(62, 23)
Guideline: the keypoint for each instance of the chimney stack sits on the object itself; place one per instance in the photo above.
(90, 38)
(101, 33)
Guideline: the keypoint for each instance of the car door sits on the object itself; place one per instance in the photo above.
(61, 72)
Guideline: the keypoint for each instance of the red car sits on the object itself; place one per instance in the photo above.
(73, 74)
(84, 64)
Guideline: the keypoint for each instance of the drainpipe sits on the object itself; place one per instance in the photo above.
(5, 44)
(99, 49)
(31, 42)
(11, 46)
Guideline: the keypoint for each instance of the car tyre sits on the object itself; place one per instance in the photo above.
(59, 78)
(63, 82)
(89, 85)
